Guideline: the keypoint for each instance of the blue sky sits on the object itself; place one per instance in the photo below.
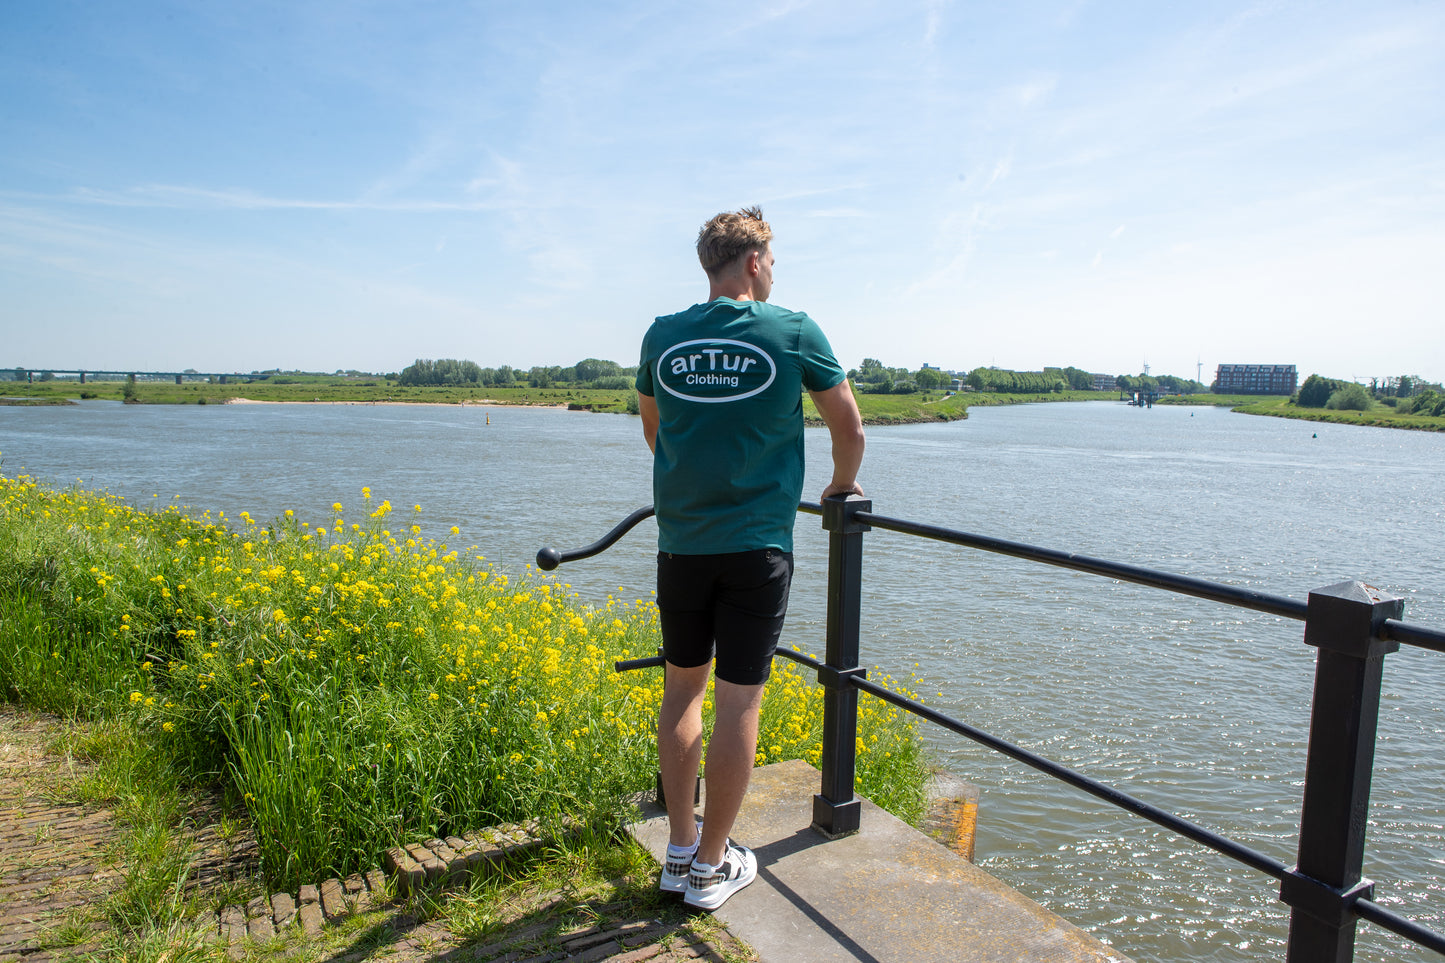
(323, 185)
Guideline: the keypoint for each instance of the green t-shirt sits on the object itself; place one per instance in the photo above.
(728, 377)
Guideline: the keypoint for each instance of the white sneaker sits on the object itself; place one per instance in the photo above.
(677, 864)
(708, 887)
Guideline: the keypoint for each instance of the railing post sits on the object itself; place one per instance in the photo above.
(1341, 621)
(835, 811)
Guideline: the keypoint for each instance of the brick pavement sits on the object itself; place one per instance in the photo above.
(58, 857)
(53, 854)
(53, 868)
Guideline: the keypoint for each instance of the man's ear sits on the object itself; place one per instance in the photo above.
(755, 258)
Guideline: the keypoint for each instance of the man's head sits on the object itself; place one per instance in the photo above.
(729, 237)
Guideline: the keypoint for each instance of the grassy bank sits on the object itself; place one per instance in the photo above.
(1218, 401)
(1280, 406)
(1378, 415)
(33, 402)
(334, 390)
(350, 684)
(935, 406)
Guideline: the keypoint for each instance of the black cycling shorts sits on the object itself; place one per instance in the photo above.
(730, 606)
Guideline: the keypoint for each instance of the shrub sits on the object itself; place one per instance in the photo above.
(1316, 391)
(1427, 402)
(1351, 397)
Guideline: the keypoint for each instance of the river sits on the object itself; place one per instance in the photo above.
(1192, 706)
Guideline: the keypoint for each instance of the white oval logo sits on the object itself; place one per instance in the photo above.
(715, 369)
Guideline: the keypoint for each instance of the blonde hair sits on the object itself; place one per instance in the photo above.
(729, 236)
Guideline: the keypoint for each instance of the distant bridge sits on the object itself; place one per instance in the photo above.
(83, 373)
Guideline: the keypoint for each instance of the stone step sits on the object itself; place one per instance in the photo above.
(887, 894)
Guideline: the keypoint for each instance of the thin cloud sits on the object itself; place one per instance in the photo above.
(426, 160)
(933, 20)
(1026, 95)
(1000, 171)
(958, 234)
(766, 15)
(197, 198)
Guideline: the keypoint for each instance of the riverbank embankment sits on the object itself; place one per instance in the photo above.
(1378, 415)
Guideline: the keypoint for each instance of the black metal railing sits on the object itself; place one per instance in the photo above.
(1351, 624)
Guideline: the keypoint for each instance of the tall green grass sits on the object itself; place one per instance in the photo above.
(355, 685)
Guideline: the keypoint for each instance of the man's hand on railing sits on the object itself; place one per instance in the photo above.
(836, 489)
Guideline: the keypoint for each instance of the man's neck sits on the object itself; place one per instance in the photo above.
(737, 285)
(729, 291)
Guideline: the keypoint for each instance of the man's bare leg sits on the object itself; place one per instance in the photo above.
(730, 756)
(679, 746)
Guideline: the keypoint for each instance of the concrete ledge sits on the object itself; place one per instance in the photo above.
(886, 894)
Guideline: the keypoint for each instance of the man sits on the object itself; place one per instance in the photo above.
(720, 393)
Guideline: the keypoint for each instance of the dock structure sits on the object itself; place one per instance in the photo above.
(886, 894)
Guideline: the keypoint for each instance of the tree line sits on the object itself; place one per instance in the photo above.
(587, 373)
(1162, 384)
(874, 377)
(1030, 382)
(1407, 394)
(1052, 380)
(870, 377)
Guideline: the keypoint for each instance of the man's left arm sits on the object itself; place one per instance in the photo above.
(647, 408)
(839, 411)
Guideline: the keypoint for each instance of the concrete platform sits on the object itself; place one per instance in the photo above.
(886, 894)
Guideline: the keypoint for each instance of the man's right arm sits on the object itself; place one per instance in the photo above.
(839, 411)
(647, 408)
